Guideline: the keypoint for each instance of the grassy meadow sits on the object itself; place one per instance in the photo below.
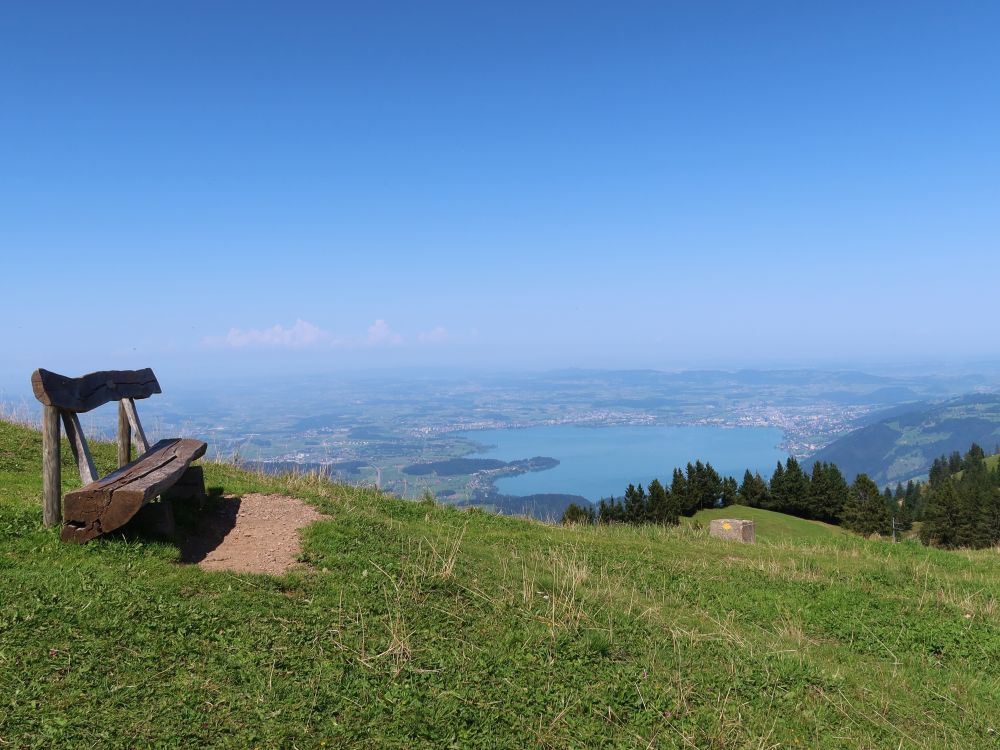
(770, 526)
(414, 625)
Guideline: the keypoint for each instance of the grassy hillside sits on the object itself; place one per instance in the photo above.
(903, 446)
(771, 526)
(420, 626)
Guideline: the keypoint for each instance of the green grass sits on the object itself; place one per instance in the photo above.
(770, 526)
(421, 626)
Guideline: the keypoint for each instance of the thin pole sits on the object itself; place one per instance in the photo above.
(51, 476)
(124, 436)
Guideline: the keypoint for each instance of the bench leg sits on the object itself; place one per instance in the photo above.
(51, 474)
(155, 519)
(191, 485)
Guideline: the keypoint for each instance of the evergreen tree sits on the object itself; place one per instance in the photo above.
(974, 494)
(577, 514)
(776, 490)
(954, 462)
(635, 505)
(865, 511)
(729, 491)
(990, 514)
(827, 493)
(818, 490)
(796, 490)
(710, 486)
(696, 481)
(941, 516)
(679, 492)
(899, 494)
(975, 453)
(662, 508)
(747, 493)
(890, 501)
(904, 518)
(939, 470)
(913, 501)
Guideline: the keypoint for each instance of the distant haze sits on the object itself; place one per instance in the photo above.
(232, 188)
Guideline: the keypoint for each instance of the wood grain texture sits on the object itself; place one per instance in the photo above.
(124, 436)
(51, 470)
(78, 444)
(138, 434)
(109, 503)
(92, 390)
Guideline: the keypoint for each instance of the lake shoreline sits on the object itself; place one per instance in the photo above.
(599, 463)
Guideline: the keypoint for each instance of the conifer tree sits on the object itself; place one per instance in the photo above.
(865, 511)
(796, 490)
(635, 505)
(990, 515)
(710, 486)
(890, 500)
(752, 491)
(940, 526)
(681, 492)
(730, 491)
(776, 490)
(913, 501)
(954, 462)
(662, 508)
(576, 514)
(747, 492)
(827, 492)
(696, 487)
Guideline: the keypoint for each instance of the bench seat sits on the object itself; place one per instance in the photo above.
(108, 503)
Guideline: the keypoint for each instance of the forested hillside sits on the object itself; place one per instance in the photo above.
(903, 446)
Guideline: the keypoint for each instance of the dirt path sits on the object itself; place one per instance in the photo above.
(252, 534)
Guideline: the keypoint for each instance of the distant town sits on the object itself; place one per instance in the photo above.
(369, 430)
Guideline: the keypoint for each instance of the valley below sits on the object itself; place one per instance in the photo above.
(495, 439)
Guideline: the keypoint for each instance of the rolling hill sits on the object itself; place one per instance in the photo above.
(771, 526)
(415, 625)
(903, 445)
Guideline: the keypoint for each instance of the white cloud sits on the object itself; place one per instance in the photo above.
(380, 334)
(303, 335)
(437, 335)
(300, 335)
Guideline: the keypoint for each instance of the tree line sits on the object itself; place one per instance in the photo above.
(962, 506)
(959, 505)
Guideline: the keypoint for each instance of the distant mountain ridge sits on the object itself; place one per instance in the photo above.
(904, 443)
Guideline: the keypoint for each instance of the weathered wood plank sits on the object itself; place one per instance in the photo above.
(110, 502)
(51, 469)
(78, 444)
(92, 390)
(124, 436)
(138, 434)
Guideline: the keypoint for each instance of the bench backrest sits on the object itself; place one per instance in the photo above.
(90, 391)
(64, 398)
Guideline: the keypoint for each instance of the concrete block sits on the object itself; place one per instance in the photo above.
(732, 528)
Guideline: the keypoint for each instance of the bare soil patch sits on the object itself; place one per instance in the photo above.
(251, 534)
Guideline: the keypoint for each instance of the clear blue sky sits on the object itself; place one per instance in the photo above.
(289, 187)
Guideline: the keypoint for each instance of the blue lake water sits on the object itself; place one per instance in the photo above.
(599, 462)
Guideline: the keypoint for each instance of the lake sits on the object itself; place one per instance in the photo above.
(599, 462)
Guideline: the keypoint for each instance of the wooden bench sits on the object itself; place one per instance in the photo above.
(106, 503)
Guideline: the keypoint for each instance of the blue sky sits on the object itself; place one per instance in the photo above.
(292, 187)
